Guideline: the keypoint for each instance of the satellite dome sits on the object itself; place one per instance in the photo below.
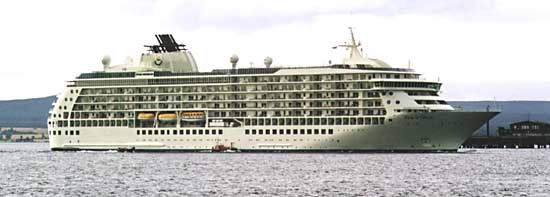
(234, 59)
(268, 61)
(106, 60)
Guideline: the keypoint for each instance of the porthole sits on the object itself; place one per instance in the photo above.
(388, 102)
(390, 93)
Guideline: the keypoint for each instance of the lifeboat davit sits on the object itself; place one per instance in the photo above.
(146, 116)
(192, 116)
(168, 117)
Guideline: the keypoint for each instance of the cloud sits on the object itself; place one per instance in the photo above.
(47, 43)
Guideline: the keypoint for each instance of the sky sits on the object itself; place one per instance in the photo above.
(478, 49)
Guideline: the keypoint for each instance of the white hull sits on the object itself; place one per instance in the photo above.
(436, 131)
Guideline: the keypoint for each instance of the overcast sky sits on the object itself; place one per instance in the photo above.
(480, 50)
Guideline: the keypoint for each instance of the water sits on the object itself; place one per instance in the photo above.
(31, 169)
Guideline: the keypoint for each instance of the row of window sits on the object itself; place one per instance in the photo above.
(92, 123)
(252, 79)
(181, 132)
(248, 122)
(316, 121)
(288, 132)
(71, 132)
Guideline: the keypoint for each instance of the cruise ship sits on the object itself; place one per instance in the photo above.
(163, 103)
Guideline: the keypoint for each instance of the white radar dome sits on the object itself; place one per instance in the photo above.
(106, 60)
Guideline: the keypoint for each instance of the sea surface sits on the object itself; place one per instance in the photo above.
(30, 169)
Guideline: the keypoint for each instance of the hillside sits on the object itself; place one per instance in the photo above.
(34, 112)
(25, 112)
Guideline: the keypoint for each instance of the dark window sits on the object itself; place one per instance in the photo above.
(281, 132)
(323, 131)
(156, 132)
(200, 132)
(66, 132)
(295, 131)
(302, 131)
(194, 132)
(316, 131)
(267, 132)
(162, 132)
(71, 132)
(330, 131)
(221, 132)
(247, 132)
(187, 132)
(181, 132)
(260, 132)
(150, 132)
(253, 131)
(309, 131)
(213, 131)
(143, 132)
(137, 132)
(174, 132)
(77, 132)
(206, 132)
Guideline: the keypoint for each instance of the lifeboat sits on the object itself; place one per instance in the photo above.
(146, 116)
(192, 116)
(167, 117)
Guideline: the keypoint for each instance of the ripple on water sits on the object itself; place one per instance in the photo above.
(30, 169)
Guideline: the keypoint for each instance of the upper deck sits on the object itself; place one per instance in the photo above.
(238, 71)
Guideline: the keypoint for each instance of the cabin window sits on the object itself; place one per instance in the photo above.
(247, 132)
(323, 131)
(137, 132)
(77, 132)
(267, 132)
(302, 131)
(213, 131)
(309, 131)
(330, 131)
(253, 131)
(156, 132)
(221, 132)
(206, 132)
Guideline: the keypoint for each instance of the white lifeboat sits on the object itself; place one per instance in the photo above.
(192, 116)
(146, 116)
(168, 117)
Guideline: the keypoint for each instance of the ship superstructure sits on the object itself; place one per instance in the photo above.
(166, 104)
